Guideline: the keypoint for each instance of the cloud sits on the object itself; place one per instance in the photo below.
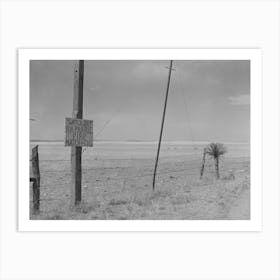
(243, 99)
(150, 69)
(213, 80)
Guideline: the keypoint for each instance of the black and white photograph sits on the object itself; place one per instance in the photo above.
(140, 139)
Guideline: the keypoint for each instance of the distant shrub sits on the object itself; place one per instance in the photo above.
(216, 150)
(115, 202)
(229, 177)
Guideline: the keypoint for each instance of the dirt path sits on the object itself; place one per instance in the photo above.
(241, 209)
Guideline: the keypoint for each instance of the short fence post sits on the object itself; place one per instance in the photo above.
(36, 181)
(203, 164)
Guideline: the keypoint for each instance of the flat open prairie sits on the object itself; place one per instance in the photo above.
(117, 182)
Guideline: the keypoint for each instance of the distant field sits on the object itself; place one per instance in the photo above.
(117, 182)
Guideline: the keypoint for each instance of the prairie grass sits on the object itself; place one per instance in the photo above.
(121, 189)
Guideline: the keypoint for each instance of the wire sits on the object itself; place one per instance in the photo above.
(116, 113)
(180, 79)
(106, 123)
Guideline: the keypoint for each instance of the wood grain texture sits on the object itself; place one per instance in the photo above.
(76, 151)
(36, 180)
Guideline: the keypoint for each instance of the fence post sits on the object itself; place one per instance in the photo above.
(36, 180)
(203, 163)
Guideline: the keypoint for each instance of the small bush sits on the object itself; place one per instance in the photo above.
(229, 177)
(115, 202)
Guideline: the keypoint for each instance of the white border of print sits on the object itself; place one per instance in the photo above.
(254, 224)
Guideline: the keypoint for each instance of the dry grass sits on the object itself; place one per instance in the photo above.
(117, 183)
(179, 195)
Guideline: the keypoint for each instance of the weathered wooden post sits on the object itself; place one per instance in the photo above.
(162, 123)
(78, 133)
(36, 180)
(203, 163)
(76, 152)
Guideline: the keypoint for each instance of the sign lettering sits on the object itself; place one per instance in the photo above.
(78, 132)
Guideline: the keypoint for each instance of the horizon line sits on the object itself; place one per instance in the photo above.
(134, 140)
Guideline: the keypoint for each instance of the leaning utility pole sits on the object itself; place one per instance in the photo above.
(76, 151)
(162, 123)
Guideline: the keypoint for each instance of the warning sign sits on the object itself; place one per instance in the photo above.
(78, 132)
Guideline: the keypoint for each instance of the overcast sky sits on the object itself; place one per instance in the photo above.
(208, 100)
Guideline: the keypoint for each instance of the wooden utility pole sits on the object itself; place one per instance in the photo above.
(76, 152)
(162, 123)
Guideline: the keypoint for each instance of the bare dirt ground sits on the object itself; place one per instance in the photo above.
(119, 186)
